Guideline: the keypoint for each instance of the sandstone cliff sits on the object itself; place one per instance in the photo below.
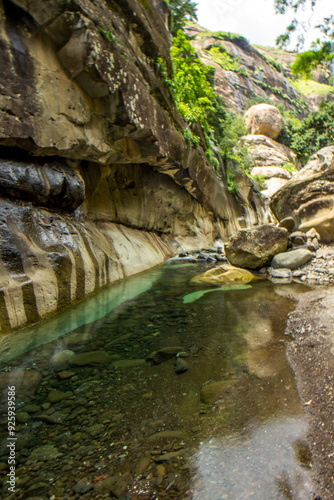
(97, 182)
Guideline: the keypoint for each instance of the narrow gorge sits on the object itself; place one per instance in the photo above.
(97, 180)
(166, 258)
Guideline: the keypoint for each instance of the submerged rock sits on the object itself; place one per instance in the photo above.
(61, 359)
(93, 358)
(164, 354)
(280, 273)
(167, 457)
(211, 392)
(181, 366)
(224, 275)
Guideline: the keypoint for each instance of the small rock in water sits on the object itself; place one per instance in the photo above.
(83, 486)
(119, 489)
(92, 358)
(128, 363)
(168, 456)
(298, 273)
(55, 396)
(164, 435)
(180, 366)
(288, 223)
(61, 359)
(211, 392)
(164, 354)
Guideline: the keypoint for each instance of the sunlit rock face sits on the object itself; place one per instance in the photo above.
(96, 180)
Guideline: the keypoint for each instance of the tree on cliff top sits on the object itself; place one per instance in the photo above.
(321, 50)
(181, 11)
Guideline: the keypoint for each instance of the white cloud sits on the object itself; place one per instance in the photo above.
(255, 19)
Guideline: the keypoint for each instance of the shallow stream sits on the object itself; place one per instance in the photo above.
(129, 428)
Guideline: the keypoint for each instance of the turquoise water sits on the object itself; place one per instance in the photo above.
(101, 432)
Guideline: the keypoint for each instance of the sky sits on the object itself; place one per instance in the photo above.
(256, 19)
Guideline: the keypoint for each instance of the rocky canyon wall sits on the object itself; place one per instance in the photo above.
(96, 179)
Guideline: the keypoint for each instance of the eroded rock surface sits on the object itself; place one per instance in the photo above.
(254, 248)
(308, 196)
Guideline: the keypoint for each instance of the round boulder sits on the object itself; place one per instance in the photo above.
(264, 119)
(254, 248)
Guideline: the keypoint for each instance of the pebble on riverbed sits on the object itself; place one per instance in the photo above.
(180, 366)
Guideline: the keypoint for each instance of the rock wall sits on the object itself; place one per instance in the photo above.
(308, 198)
(252, 72)
(96, 180)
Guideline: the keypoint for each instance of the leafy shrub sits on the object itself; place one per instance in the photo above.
(314, 132)
(190, 87)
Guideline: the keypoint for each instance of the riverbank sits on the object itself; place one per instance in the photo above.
(311, 355)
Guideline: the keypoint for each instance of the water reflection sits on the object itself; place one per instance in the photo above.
(88, 311)
(91, 409)
(258, 463)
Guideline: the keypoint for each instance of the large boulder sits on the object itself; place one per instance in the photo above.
(264, 119)
(254, 248)
(309, 196)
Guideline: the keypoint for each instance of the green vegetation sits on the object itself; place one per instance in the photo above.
(321, 52)
(108, 34)
(314, 132)
(190, 87)
(308, 87)
(181, 12)
(289, 167)
(220, 56)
